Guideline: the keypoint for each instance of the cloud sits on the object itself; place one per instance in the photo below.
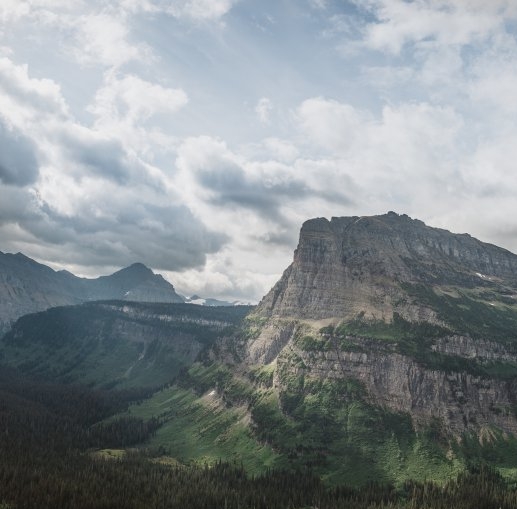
(91, 154)
(225, 278)
(456, 22)
(329, 123)
(103, 39)
(93, 33)
(263, 110)
(132, 99)
(196, 10)
(492, 78)
(21, 97)
(18, 162)
(108, 226)
(341, 128)
(12, 10)
(227, 180)
(280, 150)
(94, 200)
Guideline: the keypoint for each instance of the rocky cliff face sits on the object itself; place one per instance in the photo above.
(352, 265)
(424, 319)
(459, 400)
(27, 287)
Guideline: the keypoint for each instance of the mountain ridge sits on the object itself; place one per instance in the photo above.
(27, 286)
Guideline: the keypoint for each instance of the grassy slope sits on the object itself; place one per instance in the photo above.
(350, 442)
(198, 429)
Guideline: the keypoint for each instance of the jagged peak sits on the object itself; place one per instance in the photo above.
(137, 266)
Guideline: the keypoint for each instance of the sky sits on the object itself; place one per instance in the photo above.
(196, 136)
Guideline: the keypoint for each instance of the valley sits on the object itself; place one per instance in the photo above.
(386, 353)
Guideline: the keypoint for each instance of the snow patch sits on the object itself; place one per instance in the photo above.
(199, 302)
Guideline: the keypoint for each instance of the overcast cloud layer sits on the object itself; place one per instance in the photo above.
(196, 136)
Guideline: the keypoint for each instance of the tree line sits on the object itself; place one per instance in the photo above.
(49, 432)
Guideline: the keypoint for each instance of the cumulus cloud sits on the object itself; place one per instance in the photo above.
(94, 200)
(228, 180)
(209, 165)
(103, 38)
(329, 123)
(224, 277)
(165, 236)
(104, 224)
(132, 99)
(91, 154)
(23, 96)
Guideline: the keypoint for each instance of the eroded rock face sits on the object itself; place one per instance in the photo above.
(460, 401)
(371, 270)
(353, 265)
(481, 350)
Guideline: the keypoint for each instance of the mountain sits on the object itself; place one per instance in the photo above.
(115, 343)
(27, 287)
(424, 319)
(387, 351)
(353, 265)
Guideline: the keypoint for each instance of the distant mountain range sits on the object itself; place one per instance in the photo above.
(27, 286)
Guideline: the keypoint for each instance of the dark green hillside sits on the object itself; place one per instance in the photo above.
(275, 416)
(116, 343)
(50, 459)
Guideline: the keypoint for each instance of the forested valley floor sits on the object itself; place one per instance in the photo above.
(50, 435)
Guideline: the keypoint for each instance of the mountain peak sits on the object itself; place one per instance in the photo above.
(136, 268)
(352, 265)
(27, 286)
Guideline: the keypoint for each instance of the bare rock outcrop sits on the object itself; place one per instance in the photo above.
(409, 288)
(352, 265)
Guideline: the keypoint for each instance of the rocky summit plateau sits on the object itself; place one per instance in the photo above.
(352, 265)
